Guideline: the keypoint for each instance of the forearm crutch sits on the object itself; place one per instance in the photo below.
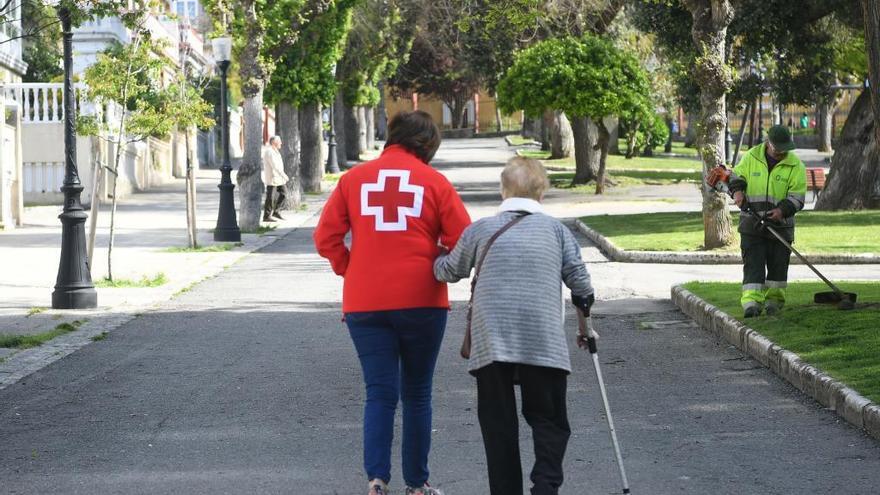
(585, 326)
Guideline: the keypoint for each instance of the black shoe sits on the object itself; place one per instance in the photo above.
(267, 218)
(752, 311)
(278, 216)
(773, 309)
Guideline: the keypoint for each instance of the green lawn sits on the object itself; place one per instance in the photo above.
(619, 162)
(627, 178)
(678, 148)
(844, 344)
(816, 232)
(519, 140)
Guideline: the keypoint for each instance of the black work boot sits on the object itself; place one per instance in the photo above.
(752, 311)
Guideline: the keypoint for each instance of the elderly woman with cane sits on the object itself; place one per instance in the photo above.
(399, 211)
(522, 258)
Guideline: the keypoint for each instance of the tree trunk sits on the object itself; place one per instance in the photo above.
(97, 177)
(498, 124)
(586, 160)
(352, 133)
(667, 147)
(690, 136)
(561, 137)
(854, 181)
(381, 115)
(370, 114)
(544, 136)
(603, 144)
(531, 128)
(288, 124)
(312, 171)
(711, 19)
(339, 130)
(825, 124)
(250, 182)
(457, 109)
(191, 226)
(362, 129)
(631, 140)
(775, 115)
(613, 126)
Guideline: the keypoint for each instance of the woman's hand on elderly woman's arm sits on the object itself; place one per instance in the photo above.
(452, 266)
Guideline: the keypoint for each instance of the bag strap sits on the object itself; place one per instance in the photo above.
(492, 239)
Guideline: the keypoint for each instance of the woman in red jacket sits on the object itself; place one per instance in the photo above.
(399, 211)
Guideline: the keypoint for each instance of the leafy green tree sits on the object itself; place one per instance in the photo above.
(126, 78)
(303, 78)
(41, 42)
(587, 78)
(381, 36)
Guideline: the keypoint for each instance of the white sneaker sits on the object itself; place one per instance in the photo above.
(424, 490)
(377, 487)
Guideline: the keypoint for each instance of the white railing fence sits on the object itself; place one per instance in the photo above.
(43, 178)
(42, 102)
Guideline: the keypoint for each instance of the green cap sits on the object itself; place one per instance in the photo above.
(780, 136)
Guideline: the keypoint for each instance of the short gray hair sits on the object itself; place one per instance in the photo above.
(524, 178)
(274, 138)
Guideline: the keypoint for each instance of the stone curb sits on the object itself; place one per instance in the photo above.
(615, 253)
(98, 321)
(846, 402)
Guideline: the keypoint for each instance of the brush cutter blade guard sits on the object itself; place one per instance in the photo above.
(834, 297)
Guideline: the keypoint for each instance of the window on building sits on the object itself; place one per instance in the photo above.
(187, 8)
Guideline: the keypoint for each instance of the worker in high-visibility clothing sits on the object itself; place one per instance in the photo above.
(772, 180)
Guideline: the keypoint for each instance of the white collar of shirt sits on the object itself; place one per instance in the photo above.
(521, 204)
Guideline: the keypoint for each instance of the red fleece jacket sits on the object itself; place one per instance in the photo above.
(397, 209)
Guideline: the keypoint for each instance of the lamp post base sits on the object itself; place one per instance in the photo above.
(227, 229)
(74, 298)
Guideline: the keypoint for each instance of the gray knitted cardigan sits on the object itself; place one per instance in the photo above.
(518, 303)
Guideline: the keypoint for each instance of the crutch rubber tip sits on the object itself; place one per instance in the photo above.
(626, 490)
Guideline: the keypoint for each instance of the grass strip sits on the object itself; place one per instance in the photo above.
(36, 310)
(209, 248)
(36, 340)
(844, 344)
(817, 232)
(145, 282)
(619, 162)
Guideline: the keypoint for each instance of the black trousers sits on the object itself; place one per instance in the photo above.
(765, 259)
(543, 406)
(272, 202)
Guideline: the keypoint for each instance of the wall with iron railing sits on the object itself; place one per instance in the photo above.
(42, 118)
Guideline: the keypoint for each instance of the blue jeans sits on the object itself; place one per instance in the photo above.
(398, 350)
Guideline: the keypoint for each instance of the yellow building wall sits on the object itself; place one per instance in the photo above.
(434, 107)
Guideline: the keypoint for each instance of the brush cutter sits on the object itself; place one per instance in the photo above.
(717, 179)
(587, 339)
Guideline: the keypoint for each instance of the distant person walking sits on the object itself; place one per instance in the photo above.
(275, 180)
(398, 210)
(517, 329)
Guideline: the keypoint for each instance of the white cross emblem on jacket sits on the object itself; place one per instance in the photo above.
(391, 199)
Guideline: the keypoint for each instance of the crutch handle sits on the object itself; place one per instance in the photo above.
(586, 334)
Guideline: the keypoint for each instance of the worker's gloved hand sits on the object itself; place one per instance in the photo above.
(739, 198)
(775, 215)
(583, 303)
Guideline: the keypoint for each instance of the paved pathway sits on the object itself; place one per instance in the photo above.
(249, 384)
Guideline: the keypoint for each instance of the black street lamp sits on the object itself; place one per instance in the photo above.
(227, 223)
(73, 287)
(332, 158)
